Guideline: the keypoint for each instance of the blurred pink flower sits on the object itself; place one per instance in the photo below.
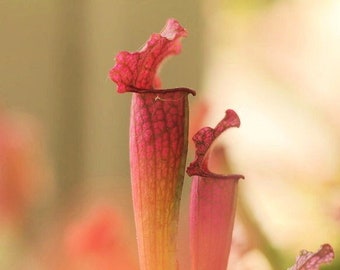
(22, 167)
(97, 241)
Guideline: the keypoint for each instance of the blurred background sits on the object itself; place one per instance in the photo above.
(64, 166)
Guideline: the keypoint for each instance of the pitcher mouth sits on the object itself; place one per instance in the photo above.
(137, 90)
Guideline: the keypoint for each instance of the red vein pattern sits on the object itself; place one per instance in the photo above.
(158, 145)
(138, 70)
(203, 140)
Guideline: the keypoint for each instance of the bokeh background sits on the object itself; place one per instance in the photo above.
(64, 169)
